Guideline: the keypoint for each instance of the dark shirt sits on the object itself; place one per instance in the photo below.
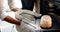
(45, 9)
(27, 4)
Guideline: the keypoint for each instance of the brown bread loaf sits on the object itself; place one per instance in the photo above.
(46, 21)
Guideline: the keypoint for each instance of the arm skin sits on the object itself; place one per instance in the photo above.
(15, 9)
(12, 20)
(37, 6)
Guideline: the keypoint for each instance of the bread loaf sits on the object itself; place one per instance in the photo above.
(46, 21)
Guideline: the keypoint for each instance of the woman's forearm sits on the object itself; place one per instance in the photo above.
(12, 20)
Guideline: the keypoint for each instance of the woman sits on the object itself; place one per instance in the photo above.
(7, 15)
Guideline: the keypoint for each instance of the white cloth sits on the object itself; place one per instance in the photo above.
(15, 4)
(25, 27)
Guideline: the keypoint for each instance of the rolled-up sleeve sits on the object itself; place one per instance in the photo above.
(3, 15)
(15, 4)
